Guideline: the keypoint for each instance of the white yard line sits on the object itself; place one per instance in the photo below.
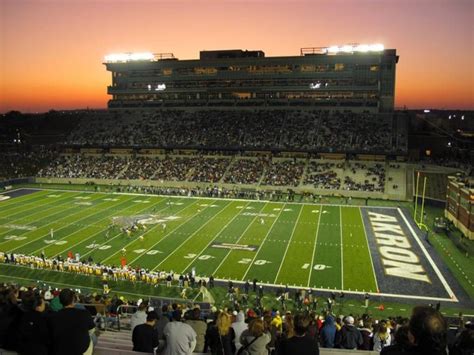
(183, 222)
(148, 231)
(103, 229)
(368, 249)
(288, 244)
(215, 236)
(315, 243)
(430, 260)
(263, 242)
(192, 234)
(241, 236)
(43, 235)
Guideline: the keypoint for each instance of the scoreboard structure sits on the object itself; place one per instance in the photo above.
(460, 206)
(358, 78)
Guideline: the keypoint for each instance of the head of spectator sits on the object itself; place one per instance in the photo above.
(224, 322)
(151, 318)
(33, 301)
(256, 327)
(176, 315)
(401, 337)
(349, 321)
(428, 330)
(66, 297)
(302, 321)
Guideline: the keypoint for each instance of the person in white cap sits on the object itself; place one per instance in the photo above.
(349, 337)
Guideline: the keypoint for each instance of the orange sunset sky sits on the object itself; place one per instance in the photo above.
(51, 51)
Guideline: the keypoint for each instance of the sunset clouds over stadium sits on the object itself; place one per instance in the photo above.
(51, 51)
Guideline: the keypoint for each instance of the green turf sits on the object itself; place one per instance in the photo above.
(303, 245)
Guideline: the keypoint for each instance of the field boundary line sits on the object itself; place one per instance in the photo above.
(288, 244)
(368, 249)
(192, 234)
(263, 241)
(15, 203)
(220, 198)
(428, 257)
(315, 244)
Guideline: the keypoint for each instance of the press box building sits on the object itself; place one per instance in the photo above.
(353, 77)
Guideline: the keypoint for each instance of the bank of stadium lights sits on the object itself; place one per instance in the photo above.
(158, 87)
(359, 48)
(128, 57)
(317, 85)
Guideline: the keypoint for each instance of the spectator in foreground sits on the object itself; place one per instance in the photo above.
(70, 327)
(328, 332)
(145, 337)
(239, 327)
(349, 336)
(382, 337)
(301, 343)
(220, 337)
(429, 331)
(180, 337)
(140, 316)
(401, 343)
(199, 327)
(254, 339)
(33, 330)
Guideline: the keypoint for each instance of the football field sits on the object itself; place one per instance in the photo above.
(355, 249)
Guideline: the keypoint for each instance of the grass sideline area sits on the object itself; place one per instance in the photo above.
(234, 221)
(87, 284)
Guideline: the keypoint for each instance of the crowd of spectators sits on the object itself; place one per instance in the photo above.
(284, 173)
(240, 129)
(322, 175)
(41, 320)
(82, 166)
(246, 171)
(374, 180)
(19, 163)
(209, 169)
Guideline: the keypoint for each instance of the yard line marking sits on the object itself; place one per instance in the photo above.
(27, 217)
(46, 234)
(314, 248)
(342, 249)
(84, 227)
(192, 234)
(17, 202)
(134, 240)
(215, 236)
(149, 230)
(241, 236)
(102, 229)
(368, 249)
(428, 256)
(288, 244)
(263, 242)
(171, 231)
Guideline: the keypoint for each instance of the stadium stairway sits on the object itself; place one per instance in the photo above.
(120, 343)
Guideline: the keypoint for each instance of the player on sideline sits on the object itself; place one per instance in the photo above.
(141, 238)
